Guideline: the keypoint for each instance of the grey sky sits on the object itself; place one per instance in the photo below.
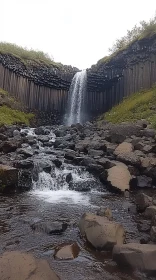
(76, 32)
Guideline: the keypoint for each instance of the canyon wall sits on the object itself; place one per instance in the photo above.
(45, 87)
(129, 71)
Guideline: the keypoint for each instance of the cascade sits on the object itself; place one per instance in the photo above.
(75, 108)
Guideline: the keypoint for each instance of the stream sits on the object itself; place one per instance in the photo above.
(51, 200)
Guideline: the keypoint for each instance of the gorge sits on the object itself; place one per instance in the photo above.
(77, 192)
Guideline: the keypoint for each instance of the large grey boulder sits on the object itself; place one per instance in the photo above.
(137, 256)
(119, 177)
(101, 233)
(17, 265)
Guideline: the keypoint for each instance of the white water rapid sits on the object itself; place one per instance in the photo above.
(77, 91)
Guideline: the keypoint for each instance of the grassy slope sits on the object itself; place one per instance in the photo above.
(27, 56)
(8, 114)
(141, 105)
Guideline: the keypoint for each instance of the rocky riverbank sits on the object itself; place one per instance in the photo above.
(120, 158)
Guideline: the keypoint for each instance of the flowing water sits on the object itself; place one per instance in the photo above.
(52, 200)
(77, 91)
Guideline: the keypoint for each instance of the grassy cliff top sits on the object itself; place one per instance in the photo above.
(10, 112)
(145, 30)
(141, 105)
(27, 56)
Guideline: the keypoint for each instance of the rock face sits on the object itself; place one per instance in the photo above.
(8, 177)
(136, 256)
(101, 233)
(119, 177)
(67, 252)
(17, 265)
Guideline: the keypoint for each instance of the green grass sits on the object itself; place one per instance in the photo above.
(27, 56)
(10, 116)
(141, 105)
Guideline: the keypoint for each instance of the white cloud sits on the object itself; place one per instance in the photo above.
(76, 32)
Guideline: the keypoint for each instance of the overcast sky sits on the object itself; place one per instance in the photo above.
(75, 32)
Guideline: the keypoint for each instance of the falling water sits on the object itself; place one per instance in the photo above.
(77, 91)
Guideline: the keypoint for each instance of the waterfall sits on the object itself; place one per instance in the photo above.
(75, 113)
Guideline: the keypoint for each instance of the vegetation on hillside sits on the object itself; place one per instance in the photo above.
(145, 29)
(9, 114)
(26, 55)
(140, 105)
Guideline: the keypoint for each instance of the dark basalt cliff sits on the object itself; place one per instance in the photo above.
(53, 76)
(121, 74)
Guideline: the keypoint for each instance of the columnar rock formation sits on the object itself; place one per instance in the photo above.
(45, 88)
(40, 87)
(129, 71)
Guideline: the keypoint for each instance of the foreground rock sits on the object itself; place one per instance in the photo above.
(54, 228)
(143, 201)
(118, 177)
(17, 265)
(8, 178)
(100, 232)
(67, 252)
(136, 256)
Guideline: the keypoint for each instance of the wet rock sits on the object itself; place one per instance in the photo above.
(106, 163)
(129, 158)
(3, 137)
(144, 226)
(80, 186)
(95, 169)
(124, 148)
(25, 180)
(95, 153)
(67, 252)
(57, 162)
(144, 182)
(43, 138)
(17, 265)
(100, 232)
(27, 163)
(70, 154)
(10, 146)
(31, 140)
(39, 131)
(69, 178)
(116, 138)
(27, 152)
(54, 228)
(154, 200)
(153, 234)
(105, 212)
(137, 256)
(16, 133)
(8, 178)
(118, 177)
(143, 201)
(150, 212)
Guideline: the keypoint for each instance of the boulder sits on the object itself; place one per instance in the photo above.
(116, 138)
(143, 201)
(105, 212)
(8, 178)
(129, 158)
(10, 146)
(136, 256)
(95, 153)
(153, 233)
(27, 163)
(124, 148)
(144, 181)
(101, 233)
(119, 177)
(43, 138)
(53, 228)
(70, 154)
(150, 212)
(106, 163)
(57, 162)
(67, 252)
(18, 265)
(27, 152)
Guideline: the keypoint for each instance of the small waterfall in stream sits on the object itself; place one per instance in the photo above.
(75, 110)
